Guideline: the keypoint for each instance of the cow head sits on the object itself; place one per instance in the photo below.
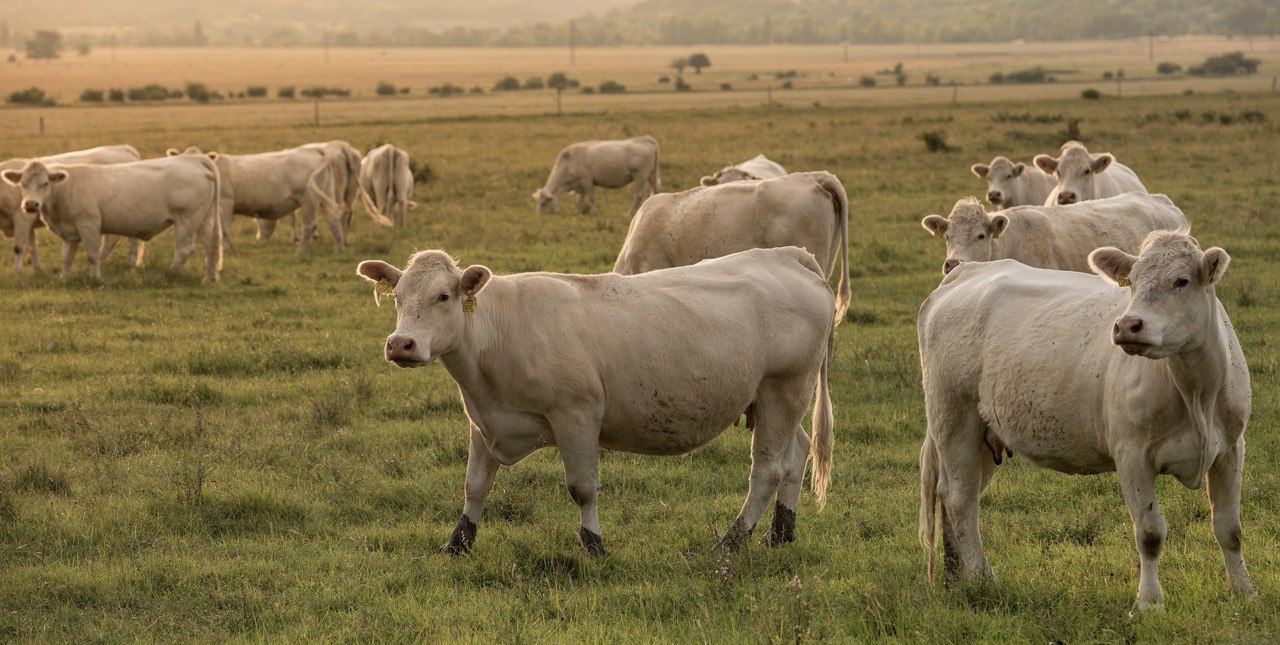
(545, 201)
(36, 181)
(970, 233)
(1000, 174)
(1172, 298)
(191, 150)
(431, 304)
(726, 175)
(1075, 169)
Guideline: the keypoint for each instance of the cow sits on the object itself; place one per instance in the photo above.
(808, 209)
(1050, 237)
(344, 165)
(11, 197)
(1082, 176)
(271, 185)
(757, 167)
(386, 181)
(1138, 371)
(1013, 184)
(81, 202)
(656, 364)
(609, 164)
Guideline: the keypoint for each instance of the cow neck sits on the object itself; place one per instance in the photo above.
(480, 338)
(1199, 372)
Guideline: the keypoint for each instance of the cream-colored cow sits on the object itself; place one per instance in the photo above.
(583, 166)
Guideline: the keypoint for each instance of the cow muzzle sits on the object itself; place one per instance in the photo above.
(995, 197)
(1129, 333)
(949, 265)
(1066, 199)
(404, 351)
(31, 207)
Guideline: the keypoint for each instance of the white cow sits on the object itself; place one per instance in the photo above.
(1013, 184)
(344, 165)
(1082, 375)
(1051, 237)
(608, 164)
(757, 167)
(11, 197)
(807, 209)
(386, 181)
(271, 185)
(81, 202)
(656, 364)
(1082, 176)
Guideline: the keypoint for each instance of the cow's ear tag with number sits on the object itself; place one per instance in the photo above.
(469, 303)
(382, 288)
(1123, 281)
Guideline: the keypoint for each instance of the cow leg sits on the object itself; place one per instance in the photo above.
(35, 252)
(1138, 482)
(578, 439)
(108, 245)
(184, 242)
(91, 237)
(308, 212)
(964, 460)
(68, 257)
(226, 210)
(778, 413)
(1224, 498)
(267, 228)
(137, 248)
(641, 193)
(481, 469)
(784, 511)
(208, 233)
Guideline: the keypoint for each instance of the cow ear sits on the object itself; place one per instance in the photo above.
(707, 180)
(998, 224)
(1018, 168)
(537, 195)
(1213, 266)
(1102, 162)
(1112, 264)
(57, 176)
(12, 177)
(474, 278)
(1046, 163)
(980, 169)
(936, 225)
(213, 156)
(412, 205)
(172, 152)
(383, 276)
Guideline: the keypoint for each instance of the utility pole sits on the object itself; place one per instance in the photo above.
(955, 93)
(326, 47)
(559, 91)
(844, 40)
(317, 111)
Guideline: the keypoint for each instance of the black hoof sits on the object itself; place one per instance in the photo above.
(463, 536)
(737, 535)
(594, 544)
(783, 529)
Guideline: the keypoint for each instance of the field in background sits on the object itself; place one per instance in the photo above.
(236, 461)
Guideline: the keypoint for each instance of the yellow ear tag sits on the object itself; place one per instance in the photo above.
(1123, 281)
(469, 303)
(382, 288)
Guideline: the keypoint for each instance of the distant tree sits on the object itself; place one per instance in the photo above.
(867, 81)
(197, 35)
(1090, 94)
(198, 92)
(116, 95)
(682, 86)
(1245, 18)
(385, 89)
(698, 61)
(612, 87)
(1168, 69)
(45, 44)
(534, 83)
(30, 96)
(932, 79)
(679, 64)
(287, 92)
(92, 96)
(256, 91)
(506, 84)
(558, 81)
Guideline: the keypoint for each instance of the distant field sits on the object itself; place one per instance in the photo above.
(237, 462)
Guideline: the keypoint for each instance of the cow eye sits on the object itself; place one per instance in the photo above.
(1087, 171)
(1181, 282)
(982, 236)
(443, 297)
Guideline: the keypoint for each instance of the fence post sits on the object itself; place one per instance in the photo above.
(42, 126)
(317, 111)
(955, 93)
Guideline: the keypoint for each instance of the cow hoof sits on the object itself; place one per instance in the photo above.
(783, 529)
(594, 544)
(463, 536)
(735, 537)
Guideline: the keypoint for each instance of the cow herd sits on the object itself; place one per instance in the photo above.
(1077, 325)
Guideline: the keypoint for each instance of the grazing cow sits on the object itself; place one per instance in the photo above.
(1082, 176)
(807, 209)
(1140, 373)
(386, 181)
(656, 364)
(271, 185)
(1013, 184)
(757, 167)
(608, 164)
(1051, 237)
(11, 197)
(81, 202)
(344, 165)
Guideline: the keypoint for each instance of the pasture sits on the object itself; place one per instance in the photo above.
(238, 462)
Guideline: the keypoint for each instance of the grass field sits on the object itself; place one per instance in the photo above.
(237, 461)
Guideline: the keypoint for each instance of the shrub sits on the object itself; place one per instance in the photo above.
(663, 80)
(150, 92)
(787, 85)
(30, 96)
(385, 89)
(507, 84)
(726, 87)
(448, 89)
(682, 86)
(320, 91)
(612, 87)
(92, 96)
(1106, 76)
(997, 78)
(287, 92)
(787, 74)
(256, 91)
(534, 83)
(1090, 94)
(115, 95)
(1226, 65)
(934, 140)
(932, 79)
(477, 90)
(404, 90)
(175, 94)
(198, 92)
(867, 81)
(587, 89)
(1168, 69)
(558, 81)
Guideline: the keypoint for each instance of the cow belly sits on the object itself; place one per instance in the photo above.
(274, 210)
(670, 422)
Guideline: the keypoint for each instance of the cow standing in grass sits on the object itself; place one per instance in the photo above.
(657, 364)
(1013, 184)
(1138, 372)
(386, 181)
(1082, 176)
(583, 166)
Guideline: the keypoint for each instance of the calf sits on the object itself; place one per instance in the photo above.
(1138, 372)
(657, 364)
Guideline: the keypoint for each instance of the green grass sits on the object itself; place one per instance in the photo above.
(237, 461)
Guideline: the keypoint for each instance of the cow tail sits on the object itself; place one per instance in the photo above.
(840, 199)
(823, 427)
(929, 474)
(317, 188)
(371, 204)
(216, 210)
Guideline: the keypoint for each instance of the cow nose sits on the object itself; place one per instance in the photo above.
(31, 207)
(994, 196)
(1127, 326)
(400, 346)
(1066, 198)
(949, 265)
